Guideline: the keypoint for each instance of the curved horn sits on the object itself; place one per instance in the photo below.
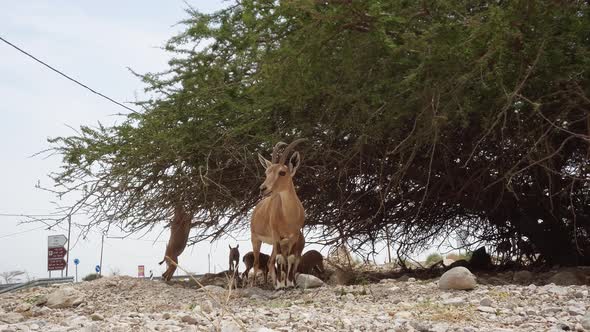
(275, 151)
(289, 148)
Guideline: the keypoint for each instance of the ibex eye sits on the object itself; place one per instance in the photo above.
(282, 173)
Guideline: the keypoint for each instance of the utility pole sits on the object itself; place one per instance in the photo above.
(101, 248)
(68, 251)
(209, 263)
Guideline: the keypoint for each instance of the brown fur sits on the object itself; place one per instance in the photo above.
(234, 258)
(312, 261)
(278, 218)
(249, 262)
(180, 227)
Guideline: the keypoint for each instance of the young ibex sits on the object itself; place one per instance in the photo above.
(234, 258)
(279, 217)
(249, 262)
(180, 227)
(312, 261)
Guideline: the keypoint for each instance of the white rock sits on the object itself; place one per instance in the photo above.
(213, 289)
(23, 307)
(576, 311)
(486, 302)
(230, 326)
(456, 301)
(585, 321)
(457, 278)
(10, 317)
(403, 315)
(557, 290)
(305, 281)
(96, 316)
(64, 297)
(489, 310)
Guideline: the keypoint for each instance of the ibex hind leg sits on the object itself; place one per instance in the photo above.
(281, 262)
(291, 271)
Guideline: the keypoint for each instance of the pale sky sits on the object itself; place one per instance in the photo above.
(94, 42)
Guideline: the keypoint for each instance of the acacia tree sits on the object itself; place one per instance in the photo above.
(424, 119)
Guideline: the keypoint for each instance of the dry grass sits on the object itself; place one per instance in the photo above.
(223, 305)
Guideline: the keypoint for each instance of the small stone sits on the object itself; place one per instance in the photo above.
(457, 278)
(579, 327)
(23, 307)
(489, 310)
(65, 297)
(403, 315)
(189, 320)
(576, 311)
(420, 326)
(11, 317)
(411, 279)
(581, 294)
(213, 289)
(166, 315)
(96, 316)
(486, 302)
(585, 321)
(230, 326)
(554, 289)
(456, 301)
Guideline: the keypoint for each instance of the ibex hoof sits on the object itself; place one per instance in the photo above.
(280, 260)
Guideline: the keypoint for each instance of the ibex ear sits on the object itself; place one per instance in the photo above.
(238, 246)
(265, 163)
(294, 163)
(229, 245)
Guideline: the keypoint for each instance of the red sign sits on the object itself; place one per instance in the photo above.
(56, 264)
(140, 271)
(58, 252)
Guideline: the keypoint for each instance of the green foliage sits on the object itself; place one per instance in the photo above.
(92, 276)
(433, 258)
(424, 117)
(459, 256)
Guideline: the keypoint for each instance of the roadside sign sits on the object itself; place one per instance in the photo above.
(54, 241)
(141, 271)
(56, 264)
(58, 252)
(97, 269)
(76, 261)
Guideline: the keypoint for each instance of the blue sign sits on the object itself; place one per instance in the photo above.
(76, 261)
(97, 269)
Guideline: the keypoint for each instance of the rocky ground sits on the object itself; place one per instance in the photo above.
(404, 304)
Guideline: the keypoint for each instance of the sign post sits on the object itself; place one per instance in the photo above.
(56, 253)
(76, 262)
(141, 271)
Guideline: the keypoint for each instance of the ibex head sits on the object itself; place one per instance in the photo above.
(279, 175)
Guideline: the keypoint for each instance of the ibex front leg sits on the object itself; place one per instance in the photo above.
(281, 265)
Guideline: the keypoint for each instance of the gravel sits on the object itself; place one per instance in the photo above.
(128, 304)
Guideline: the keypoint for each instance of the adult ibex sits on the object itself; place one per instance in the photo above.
(180, 227)
(279, 217)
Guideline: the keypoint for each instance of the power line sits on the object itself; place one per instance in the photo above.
(25, 231)
(66, 76)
